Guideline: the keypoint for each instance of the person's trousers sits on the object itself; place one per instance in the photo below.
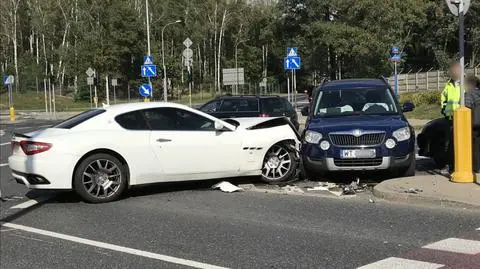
(476, 149)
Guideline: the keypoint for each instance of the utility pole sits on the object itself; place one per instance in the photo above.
(165, 91)
(148, 43)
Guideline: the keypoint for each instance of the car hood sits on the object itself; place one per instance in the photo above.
(246, 123)
(388, 123)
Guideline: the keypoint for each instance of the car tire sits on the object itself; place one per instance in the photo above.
(100, 178)
(410, 170)
(279, 164)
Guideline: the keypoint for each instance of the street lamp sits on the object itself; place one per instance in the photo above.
(165, 92)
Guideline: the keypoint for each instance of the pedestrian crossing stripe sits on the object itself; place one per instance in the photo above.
(394, 262)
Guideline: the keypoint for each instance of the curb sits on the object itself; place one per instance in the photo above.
(388, 194)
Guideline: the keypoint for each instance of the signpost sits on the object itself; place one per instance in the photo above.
(233, 76)
(188, 63)
(114, 84)
(462, 117)
(91, 73)
(148, 70)
(292, 62)
(145, 90)
(396, 57)
(9, 81)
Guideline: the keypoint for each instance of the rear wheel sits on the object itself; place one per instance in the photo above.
(100, 178)
(279, 163)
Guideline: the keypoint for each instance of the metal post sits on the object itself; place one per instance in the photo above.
(148, 41)
(236, 69)
(295, 88)
(114, 95)
(45, 91)
(165, 91)
(461, 32)
(107, 91)
(288, 88)
(49, 95)
(91, 101)
(53, 101)
(128, 89)
(396, 78)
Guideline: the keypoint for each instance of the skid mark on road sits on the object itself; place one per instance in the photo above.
(113, 247)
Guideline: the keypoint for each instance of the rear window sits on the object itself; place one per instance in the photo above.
(240, 105)
(76, 120)
(273, 105)
(132, 120)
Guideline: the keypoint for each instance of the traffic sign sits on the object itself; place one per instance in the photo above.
(396, 58)
(395, 50)
(453, 5)
(187, 53)
(187, 42)
(114, 82)
(90, 72)
(145, 90)
(292, 52)
(292, 63)
(90, 81)
(8, 80)
(147, 59)
(149, 70)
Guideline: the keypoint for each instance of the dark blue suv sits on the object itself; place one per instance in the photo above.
(357, 125)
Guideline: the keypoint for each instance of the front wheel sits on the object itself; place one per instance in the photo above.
(100, 178)
(279, 163)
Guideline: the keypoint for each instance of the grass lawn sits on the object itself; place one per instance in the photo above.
(425, 112)
(34, 101)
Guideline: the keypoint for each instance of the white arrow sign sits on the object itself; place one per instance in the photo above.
(187, 42)
(454, 5)
(145, 91)
(295, 63)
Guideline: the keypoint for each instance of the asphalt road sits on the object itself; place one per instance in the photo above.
(185, 225)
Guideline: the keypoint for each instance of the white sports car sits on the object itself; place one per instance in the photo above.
(101, 152)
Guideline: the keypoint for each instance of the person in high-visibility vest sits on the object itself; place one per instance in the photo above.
(450, 101)
(451, 93)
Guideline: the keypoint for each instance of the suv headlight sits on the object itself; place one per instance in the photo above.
(313, 137)
(402, 134)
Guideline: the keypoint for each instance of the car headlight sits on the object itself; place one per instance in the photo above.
(313, 137)
(402, 134)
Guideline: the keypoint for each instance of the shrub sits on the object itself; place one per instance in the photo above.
(421, 98)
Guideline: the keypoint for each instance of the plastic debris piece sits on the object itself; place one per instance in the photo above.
(226, 186)
(414, 191)
(371, 201)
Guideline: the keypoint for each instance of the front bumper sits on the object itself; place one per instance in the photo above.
(43, 172)
(326, 164)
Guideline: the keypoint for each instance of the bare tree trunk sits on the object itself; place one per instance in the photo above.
(15, 4)
(219, 57)
(215, 46)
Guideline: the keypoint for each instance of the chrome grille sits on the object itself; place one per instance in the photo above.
(367, 139)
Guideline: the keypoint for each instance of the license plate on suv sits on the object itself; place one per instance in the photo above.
(358, 153)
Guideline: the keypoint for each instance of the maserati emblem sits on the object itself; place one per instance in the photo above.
(357, 133)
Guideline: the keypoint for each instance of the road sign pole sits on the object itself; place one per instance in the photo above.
(90, 100)
(106, 90)
(396, 78)
(45, 92)
(10, 103)
(461, 37)
(293, 86)
(288, 88)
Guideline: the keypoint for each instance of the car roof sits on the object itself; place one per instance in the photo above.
(354, 84)
(122, 108)
(246, 96)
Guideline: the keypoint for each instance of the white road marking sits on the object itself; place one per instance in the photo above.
(31, 202)
(4, 144)
(3, 164)
(113, 247)
(399, 263)
(478, 229)
(2, 132)
(456, 245)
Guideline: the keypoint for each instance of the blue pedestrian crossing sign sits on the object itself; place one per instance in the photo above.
(147, 59)
(149, 70)
(145, 90)
(292, 63)
(292, 52)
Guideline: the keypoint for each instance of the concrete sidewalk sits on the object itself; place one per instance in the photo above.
(429, 189)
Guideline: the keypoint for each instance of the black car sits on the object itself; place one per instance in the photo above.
(433, 141)
(232, 106)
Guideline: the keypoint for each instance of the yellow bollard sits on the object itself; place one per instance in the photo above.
(462, 136)
(146, 100)
(12, 114)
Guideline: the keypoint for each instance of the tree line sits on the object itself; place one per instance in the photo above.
(59, 39)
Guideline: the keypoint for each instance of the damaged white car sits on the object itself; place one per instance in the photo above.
(102, 152)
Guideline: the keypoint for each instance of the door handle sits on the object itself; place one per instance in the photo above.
(163, 140)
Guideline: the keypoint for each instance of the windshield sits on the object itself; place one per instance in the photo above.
(355, 102)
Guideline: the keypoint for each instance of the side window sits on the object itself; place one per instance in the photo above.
(174, 119)
(132, 121)
(240, 105)
(274, 105)
(213, 106)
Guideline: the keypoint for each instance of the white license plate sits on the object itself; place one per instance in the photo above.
(358, 153)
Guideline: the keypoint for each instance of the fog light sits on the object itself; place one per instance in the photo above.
(325, 145)
(390, 144)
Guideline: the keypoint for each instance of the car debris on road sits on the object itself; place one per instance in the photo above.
(226, 186)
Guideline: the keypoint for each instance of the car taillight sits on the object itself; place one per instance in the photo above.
(32, 147)
(263, 115)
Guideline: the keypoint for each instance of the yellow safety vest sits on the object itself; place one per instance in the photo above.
(450, 98)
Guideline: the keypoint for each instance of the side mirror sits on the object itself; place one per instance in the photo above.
(305, 110)
(218, 126)
(408, 107)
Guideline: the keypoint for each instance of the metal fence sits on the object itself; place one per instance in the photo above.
(425, 81)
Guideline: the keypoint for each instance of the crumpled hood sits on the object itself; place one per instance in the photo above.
(246, 123)
(388, 123)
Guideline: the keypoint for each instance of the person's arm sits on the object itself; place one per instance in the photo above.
(469, 100)
(444, 98)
